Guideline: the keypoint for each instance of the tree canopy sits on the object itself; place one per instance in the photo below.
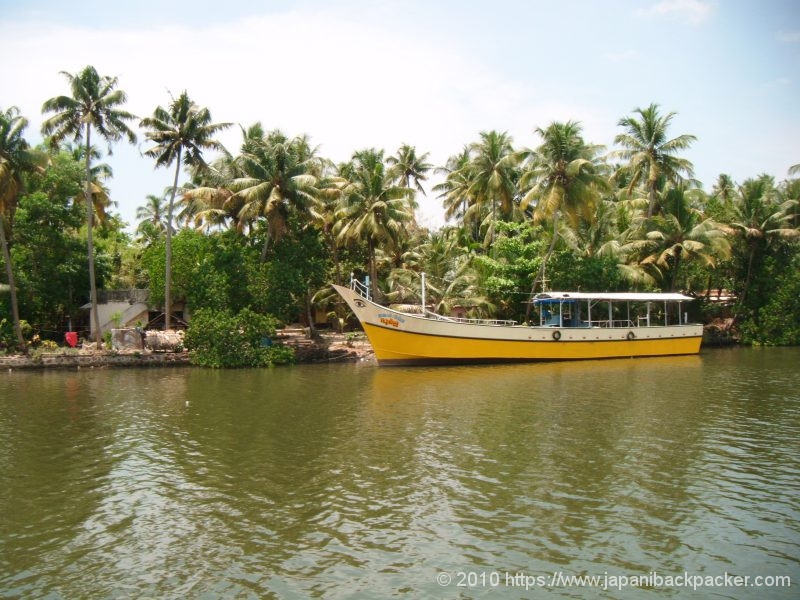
(266, 227)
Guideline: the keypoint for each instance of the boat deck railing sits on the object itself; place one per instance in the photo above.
(362, 289)
(502, 322)
(614, 324)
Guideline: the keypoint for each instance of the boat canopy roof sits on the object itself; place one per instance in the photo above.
(549, 297)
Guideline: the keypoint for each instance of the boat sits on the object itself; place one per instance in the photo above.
(570, 326)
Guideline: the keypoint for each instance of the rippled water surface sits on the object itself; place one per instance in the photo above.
(352, 481)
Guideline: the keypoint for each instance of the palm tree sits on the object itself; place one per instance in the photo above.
(275, 176)
(759, 218)
(451, 279)
(15, 159)
(458, 199)
(183, 128)
(563, 176)
(650, 155)
(373, 209)
(790, 189)
(100, 172)
(592, 235)
(407, 168)
(205, 200)
(152, 217)
(94, 103)
(724, 188)
(206, 207)
(679, 234)
(324, 214)
(493, 175)
(719, 203)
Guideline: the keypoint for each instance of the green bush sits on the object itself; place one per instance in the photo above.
(221, 339)
(777, 323)
(8, 337)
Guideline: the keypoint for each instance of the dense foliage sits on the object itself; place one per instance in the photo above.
(257, 235)
(47, 225)
(223, 339)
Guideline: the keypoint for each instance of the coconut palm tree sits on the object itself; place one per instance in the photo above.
(324, 214)
(451, 279)
(458, 199)
(724, 188)
(761, 217)
(205, 200)
(563, 176)
(15, 160)
(650, 155)
(100, 173)
(790, 190)
(372, 209)
(408, 169)
(206, 207)
(276, 175)
(493, 175)
(93, 105)
(592, 235)
(181, 133)
(152, 217)
(680, 233)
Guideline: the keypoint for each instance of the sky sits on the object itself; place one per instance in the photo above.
(355, 74)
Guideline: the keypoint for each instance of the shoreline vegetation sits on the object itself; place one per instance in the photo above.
(328, 348)
(253, 238)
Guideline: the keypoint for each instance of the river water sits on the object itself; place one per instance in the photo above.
(354, 481)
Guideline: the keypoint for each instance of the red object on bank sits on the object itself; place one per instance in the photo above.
(72, 338)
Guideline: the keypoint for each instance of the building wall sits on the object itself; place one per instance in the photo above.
(131, 314)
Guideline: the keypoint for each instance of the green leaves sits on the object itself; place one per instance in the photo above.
(223, 339)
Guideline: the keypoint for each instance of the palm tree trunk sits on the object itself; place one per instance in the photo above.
(373, 270)
(540, 274)
(750, 260)
(265, 247)
(12, 288)
(651, 206)
(675, 268)
(337, 268)
(89, 241)
(312, 330)
(168, 282)
(494, 247)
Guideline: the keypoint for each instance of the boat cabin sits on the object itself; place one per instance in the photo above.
(610, 309)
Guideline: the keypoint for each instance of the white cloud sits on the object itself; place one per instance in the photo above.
(353, 77)
(346, 84)
(692, 11)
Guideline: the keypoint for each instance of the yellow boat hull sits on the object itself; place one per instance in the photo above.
(394, 347)
(403, 339)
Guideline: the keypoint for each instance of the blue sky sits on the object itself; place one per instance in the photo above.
(357, 73)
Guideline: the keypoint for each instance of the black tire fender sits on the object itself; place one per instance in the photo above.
(631, 336)
(556, 335)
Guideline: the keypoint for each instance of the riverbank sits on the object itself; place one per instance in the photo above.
(330, 347)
